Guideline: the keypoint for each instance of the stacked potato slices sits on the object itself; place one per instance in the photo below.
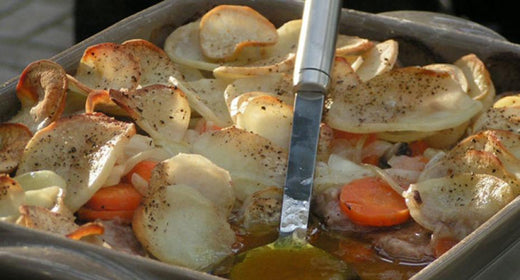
(213, 109)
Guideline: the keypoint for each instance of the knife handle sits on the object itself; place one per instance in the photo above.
(317, 44)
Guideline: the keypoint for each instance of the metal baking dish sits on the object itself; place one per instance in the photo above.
(423, 38)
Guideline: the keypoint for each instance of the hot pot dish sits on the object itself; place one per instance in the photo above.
(178, 152)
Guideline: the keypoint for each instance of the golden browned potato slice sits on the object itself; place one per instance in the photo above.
(156, 67)
(508, 101)
(226, 29)
(108, 66)
(13, 138)
(178, 225)
(82, 149)
(403, 99)
(456, 205)
(42, 90)
(12, 196)
(198, 172)
(504, 118)
(253, 161)
(481, 86)
(492, 152)
(99, 100)
(162, 111)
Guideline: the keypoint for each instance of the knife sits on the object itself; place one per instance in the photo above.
(314, 58)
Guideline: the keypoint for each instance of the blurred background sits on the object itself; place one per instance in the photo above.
(37, 29)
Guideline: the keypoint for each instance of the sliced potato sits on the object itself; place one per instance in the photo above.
(178, 225)
(82, 149)
(404, 99)
(279, 85)
(455, 72)
(206, 96)
(198, 172)
(108, 66)
(379, 59)
(489, 152)
(253, 161)
(12, 196)
(508, 101)
(267, 116)
(226, 29)
(260, 212)
(162, 111)
(183, 46)
(503, 118)
(456, 205)
(42, 90)
(13, 138)
(261, 67)
(156, 66)
(481, 86)
(99, 101)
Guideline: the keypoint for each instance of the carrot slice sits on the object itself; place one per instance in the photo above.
(85, 230)
(143, 169)
(118, 197)
(87, 214)
(418, 147)
(370, 201)
(372, 159)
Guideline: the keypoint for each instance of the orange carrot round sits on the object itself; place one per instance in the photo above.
(418, 147)
(143, 169)
(87, 214)
(370, 201)
(118, 197)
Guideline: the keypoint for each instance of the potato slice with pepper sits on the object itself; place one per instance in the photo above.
(108, 66)
(156, 67)
(162, 111)
(456, 205)
(82, 149)
(178, 225)
(492, 152)
(253, 161)
(278, 84)
(403, 99)
(280, 57)
(183, 47)
(198, 172)
(378, 59)
(226, 29)
(42, 90)
(267, 116)
(13, 138)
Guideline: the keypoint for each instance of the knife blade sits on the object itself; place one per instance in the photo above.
(314, 58)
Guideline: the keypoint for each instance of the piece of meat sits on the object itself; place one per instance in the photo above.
(409, 243)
